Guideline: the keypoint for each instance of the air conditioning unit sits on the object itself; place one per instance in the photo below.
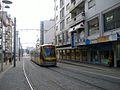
(83, 13)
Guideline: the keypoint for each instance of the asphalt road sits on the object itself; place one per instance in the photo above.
(29, 76)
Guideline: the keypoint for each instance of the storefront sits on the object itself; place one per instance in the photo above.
(118, 54)
(102, 53)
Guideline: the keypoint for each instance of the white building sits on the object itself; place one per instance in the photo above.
(62, 19)
(94, 31)
(47, 32)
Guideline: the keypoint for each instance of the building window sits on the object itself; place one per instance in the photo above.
(73, 1)
(67, 6)
(63, 37)
(60, 39)
(112, 20)
(62, 13)
(93, 26)
(56, 39)
(67, 20)
(56, 7)
(67, 37)
(61, 3)
(56, 28)
(91, 3)
(62, 25)
(56, 17)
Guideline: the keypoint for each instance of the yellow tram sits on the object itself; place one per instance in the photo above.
(45, 55)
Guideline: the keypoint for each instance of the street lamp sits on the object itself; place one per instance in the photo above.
(7, 6)
(7, 1)
(2, 6)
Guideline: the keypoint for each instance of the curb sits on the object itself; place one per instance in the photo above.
(98, 67)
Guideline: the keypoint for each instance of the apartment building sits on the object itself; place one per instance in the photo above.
(62, 19)
(103, 31)
(5, 37)
(8, 38)
(93, 30)
(47, 33)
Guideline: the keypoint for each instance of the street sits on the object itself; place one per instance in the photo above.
(29, 76)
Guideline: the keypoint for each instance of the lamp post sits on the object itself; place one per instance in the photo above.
(2, 7)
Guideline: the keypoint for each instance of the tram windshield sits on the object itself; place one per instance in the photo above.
(49, 52)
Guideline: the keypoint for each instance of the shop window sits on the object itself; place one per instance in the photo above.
(118, 51)
(84, 56)
(73, 54)
(104, 57)
(77, 54)
(112, 20)
(64, 54)
(93, 26)
(68, 54)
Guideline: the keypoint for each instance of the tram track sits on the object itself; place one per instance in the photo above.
(77, 79)
(53, 82)
(92, 78)
(82, 78)
(86, 73)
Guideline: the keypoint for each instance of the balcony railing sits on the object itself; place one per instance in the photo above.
(75, 4)
(80, 17)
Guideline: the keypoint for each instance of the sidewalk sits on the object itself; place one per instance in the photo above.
(13, 78)
(6, 67)
(114, 71)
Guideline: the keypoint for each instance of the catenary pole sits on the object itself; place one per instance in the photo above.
(14, 42)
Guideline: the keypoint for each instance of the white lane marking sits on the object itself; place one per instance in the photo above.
(27, 77)
(102, 75)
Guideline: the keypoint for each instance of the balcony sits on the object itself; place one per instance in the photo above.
(75, 4)
(79, 18)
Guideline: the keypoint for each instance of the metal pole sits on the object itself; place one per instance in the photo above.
(14, 42)
(42, 32)
(2, 58)
(19, 49)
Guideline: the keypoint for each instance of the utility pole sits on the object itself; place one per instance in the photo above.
(19, 49)
(41, 32)
(14, 42)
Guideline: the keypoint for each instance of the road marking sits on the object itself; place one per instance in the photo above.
(102, 75)
(26, 76)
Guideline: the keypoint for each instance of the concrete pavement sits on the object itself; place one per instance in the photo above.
(108, 70)
(13, 78)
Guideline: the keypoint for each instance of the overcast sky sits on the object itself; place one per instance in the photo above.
(28, 14)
